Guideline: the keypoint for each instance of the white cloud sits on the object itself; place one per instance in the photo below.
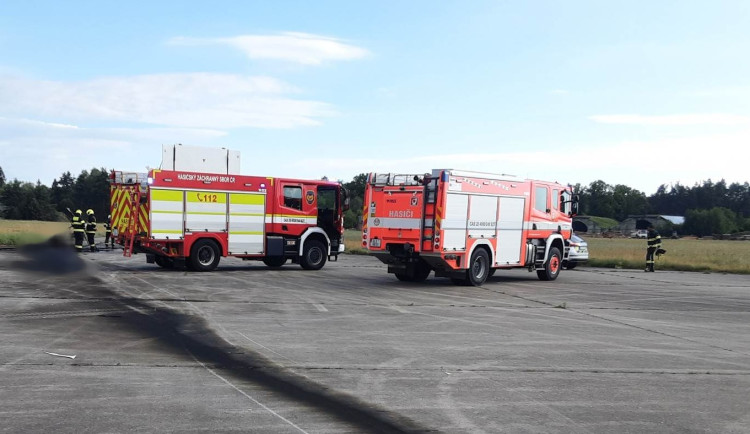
(198, 100)
(32, 149)
(643, 165)
(685, 119)
(303, 48)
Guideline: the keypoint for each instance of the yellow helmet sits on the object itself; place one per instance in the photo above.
(78, 211)
(89, 211)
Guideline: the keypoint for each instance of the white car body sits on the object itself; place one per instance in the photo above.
(578, 252)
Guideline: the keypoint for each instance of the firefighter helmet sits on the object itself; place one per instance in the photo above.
(78, 211)
(89, 211)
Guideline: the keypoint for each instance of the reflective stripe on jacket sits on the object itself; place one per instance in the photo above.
(654, 239)
(78, 224)
(91, 225)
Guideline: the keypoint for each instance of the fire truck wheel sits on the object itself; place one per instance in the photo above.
(164, 262)
(479, 267)
(418, 272)
(274, 261)
(204, 255)
(421, 271)
(552, 267)
(314, 255)
(402, 277)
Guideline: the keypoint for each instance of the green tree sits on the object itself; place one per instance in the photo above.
(2, 177)
(356, 190)
(597, 200)
(717, 220)
(627, 201)
(61, 192)
(46, 209)
(26, 201)
(91, 191)
(12, 198)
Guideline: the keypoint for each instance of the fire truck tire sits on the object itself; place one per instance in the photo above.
(164, 262)
(479, 268)
(314, 255)
(421, 271)
(204, 256)
(552, 267)
(402, 277)
(274, 261)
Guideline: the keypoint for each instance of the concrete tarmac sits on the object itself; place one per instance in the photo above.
(350, 349)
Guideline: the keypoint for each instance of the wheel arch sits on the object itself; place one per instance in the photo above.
(554, 240)
(482, 244)
(314, 233)
(189, 243)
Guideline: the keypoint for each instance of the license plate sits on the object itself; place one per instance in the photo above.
(375, 242)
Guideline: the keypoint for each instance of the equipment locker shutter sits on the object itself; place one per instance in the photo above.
(455, 221)
(247, 213)
(510, 230)
(482, 216)
(205, 211)
(167, 208)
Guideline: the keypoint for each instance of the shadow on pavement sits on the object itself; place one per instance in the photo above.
(189, 336)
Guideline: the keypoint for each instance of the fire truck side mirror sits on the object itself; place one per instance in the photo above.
(565, 199)
(345, 201)
(574, 206)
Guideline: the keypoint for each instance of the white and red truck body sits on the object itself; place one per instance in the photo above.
(465, 225)
(195, 217)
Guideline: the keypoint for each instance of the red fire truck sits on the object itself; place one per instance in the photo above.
(466, 225)
(193, 218)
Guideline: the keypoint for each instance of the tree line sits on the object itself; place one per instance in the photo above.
(36, 201)
(708, 207)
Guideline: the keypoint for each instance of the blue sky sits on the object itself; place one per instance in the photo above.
(639, 93)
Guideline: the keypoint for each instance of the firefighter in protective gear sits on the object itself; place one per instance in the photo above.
(654, 244)
(79, 227)
(108, 238)
(91, 229)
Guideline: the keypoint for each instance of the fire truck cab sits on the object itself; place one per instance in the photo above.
(193, 218)
(466, 225)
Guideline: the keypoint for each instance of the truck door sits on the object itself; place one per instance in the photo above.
(327, 204)
(296, 209)
(542, 212)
